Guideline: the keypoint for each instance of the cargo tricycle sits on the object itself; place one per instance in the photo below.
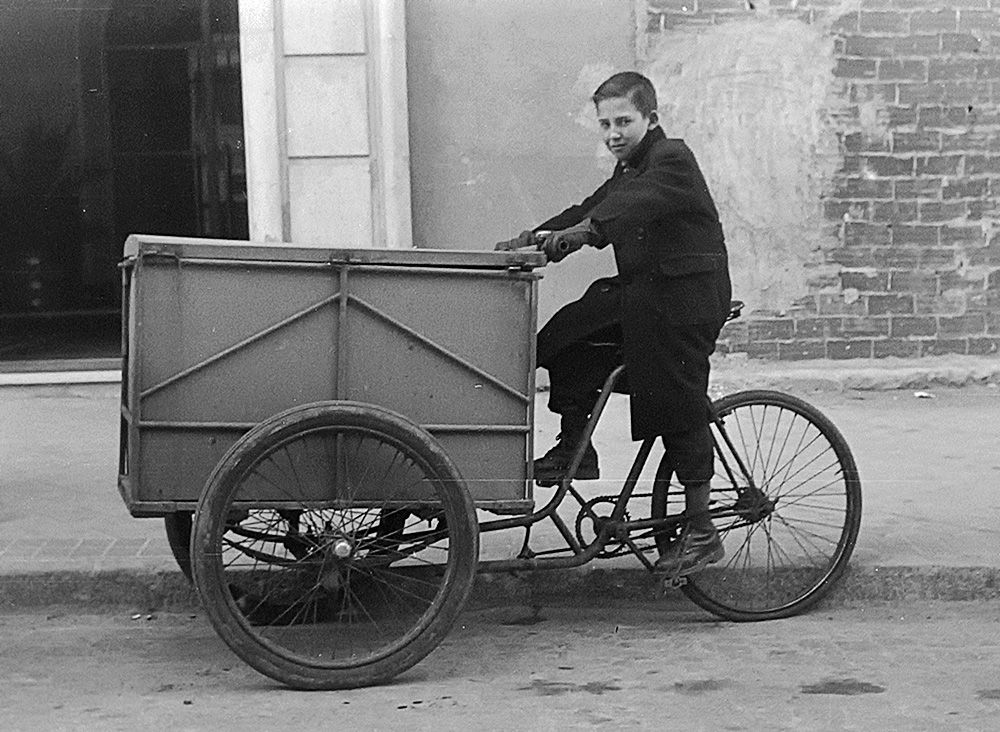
(327, 432)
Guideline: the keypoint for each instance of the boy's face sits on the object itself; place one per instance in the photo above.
(622, 125)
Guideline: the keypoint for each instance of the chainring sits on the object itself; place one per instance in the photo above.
(588, 514)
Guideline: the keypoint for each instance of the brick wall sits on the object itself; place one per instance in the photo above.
(912, 212)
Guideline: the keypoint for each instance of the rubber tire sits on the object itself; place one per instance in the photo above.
(178, 527)
(212, 512)
(809, 596)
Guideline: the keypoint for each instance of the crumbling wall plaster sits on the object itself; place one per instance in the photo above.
(752, 99)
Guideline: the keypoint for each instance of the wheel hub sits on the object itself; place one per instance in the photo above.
(753, 505)
(342, 548)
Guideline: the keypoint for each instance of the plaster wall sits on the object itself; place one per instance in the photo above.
(502, 132)
(751, 99)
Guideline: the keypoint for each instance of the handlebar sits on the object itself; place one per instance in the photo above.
(537, 246)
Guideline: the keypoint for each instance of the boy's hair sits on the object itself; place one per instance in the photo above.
(632, 85)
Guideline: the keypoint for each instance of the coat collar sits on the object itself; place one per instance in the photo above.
(641, 152)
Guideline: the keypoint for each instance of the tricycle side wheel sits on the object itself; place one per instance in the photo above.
(334, 546)
(786, 499)
(178, 526)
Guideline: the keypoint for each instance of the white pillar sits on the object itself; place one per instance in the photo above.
(392, 135)
(262, 135)
(326, 122)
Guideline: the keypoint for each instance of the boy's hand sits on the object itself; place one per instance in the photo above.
(524, 239)
(557, 245)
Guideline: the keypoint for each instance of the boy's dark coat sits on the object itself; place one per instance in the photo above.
(672, 292)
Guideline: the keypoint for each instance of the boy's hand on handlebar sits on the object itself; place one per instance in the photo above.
(557, 245)
(524, 239)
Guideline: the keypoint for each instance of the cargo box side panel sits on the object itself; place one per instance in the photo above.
(215, 350)
(225, 344)
(452, 352)
(174, 465)
(128, 435)
(405, 374)
(334, 468)
(484, 318)
(318, 468)
(216, 347)
(494, 466)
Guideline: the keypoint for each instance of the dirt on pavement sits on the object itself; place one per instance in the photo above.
(928, 666)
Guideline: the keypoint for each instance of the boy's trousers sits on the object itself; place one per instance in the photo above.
(667, 368)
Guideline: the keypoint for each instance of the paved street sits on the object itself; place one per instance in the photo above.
(925, 666)
(88, 646)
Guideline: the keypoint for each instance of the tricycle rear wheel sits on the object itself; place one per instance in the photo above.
(334, 546)
(786, 500)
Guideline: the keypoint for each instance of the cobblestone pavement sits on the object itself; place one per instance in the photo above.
(591, 665)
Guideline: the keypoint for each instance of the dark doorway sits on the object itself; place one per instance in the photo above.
(154, 159)
(129, 119)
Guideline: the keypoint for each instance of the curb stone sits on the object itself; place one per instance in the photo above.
(737, 373)
(732, 373)
(170, 591)
(111, 589)
(858, 584)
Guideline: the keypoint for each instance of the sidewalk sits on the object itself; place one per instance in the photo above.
(66, 535)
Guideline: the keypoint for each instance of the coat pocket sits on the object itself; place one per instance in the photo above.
(689, 264)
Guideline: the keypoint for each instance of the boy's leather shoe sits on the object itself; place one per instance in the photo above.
(692, 552)
(552, 466)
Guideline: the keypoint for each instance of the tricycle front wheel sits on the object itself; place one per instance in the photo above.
(334, 546)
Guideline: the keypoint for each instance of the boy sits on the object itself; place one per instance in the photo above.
(665, 307)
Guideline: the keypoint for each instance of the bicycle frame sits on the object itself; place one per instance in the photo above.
(613, 527)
